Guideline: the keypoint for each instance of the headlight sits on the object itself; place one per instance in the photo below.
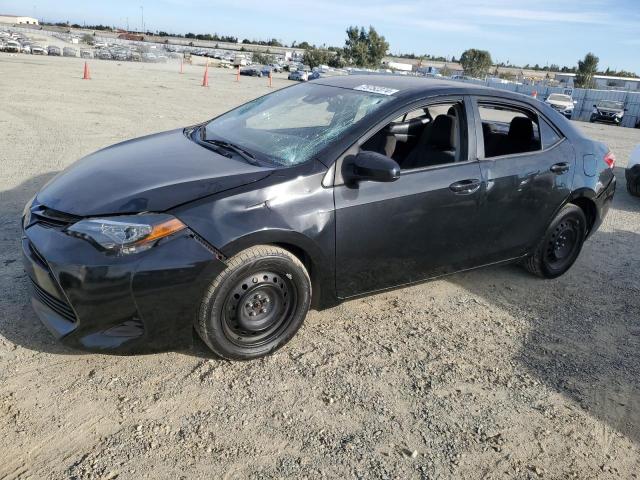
(127, 234)
(595, 110)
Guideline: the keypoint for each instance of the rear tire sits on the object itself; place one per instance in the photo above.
(561, 244)
(256, 304)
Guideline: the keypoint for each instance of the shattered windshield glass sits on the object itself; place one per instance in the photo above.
(291, 125)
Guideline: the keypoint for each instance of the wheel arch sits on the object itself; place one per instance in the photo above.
(585, 199)
(318, 266)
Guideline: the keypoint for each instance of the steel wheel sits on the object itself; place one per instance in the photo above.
(256, 304)
(258, 308)
(562, 244)
(559, 248)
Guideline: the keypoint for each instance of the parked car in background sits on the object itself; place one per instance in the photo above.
(307, 197)
(86, 53)
(608, 111)
(298, 75)
(632, 173)
(69, 52)
(26, 48)
(53, 50)
(38, 49)
(12, 46)
(562, 103)
(103, 54)
(251, 72)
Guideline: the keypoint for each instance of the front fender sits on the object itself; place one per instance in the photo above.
(289, 208)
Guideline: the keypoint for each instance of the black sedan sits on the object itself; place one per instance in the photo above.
(301, 199)
(251, 72)
(608, 111)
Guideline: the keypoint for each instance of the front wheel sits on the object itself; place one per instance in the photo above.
(561, 244)
(256, 304)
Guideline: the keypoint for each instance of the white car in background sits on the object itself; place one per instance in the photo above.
(12, 46)
(562, 103)
(632, 173)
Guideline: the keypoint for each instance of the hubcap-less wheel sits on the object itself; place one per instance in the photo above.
(256, 304)
(563, 244)
(258, 308)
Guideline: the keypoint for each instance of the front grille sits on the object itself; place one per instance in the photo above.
(61, 307)
(49, 218)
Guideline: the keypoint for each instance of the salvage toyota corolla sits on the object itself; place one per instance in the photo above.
(303, 198)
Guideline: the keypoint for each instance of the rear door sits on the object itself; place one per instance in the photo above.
(527, 178)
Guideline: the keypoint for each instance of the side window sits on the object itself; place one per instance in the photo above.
(424, 137)
(508, 130)
(549, 135)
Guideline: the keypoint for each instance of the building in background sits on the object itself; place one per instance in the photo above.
(603, 82)
(18, 20)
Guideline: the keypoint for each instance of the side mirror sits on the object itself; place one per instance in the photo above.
(626, 109)
(371, 166)
(595, 106)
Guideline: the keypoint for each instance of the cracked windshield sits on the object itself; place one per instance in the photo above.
(290, 126)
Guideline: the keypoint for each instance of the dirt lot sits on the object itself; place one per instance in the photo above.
(487, 374)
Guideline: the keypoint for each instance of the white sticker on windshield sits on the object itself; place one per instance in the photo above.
(376, 89)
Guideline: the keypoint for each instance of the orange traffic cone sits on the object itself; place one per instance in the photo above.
(270, 79)
(86, 75)
(205, 80)
(238, 74)
(181, 66)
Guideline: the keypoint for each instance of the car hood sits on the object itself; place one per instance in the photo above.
(152, 173)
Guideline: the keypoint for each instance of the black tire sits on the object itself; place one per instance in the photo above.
(256, 304)
(633, 187)
(561, 244)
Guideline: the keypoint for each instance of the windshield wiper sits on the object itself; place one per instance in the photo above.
(248, 156)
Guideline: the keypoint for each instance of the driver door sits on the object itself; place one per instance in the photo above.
(422, 225)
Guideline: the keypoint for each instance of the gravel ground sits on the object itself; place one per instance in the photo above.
(486, 374)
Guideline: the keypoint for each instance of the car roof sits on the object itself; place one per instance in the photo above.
(408, 87)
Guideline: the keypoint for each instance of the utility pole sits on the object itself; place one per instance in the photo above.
(142, 18)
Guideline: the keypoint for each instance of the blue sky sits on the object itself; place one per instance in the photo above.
(533, 31)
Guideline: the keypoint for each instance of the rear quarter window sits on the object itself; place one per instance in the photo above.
(549, 134)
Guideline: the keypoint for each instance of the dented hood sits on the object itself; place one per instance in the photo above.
(152, 173)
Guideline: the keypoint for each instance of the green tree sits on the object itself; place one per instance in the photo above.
(262, 58)
(364, 48)
(315, 57)
(445, 71)
(476, 63)
(587, 68)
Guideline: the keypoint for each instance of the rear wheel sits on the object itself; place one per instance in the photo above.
(633, 187)
(561, 244)
(255, 305)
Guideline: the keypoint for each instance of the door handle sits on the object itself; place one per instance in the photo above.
(465, 187)
(559, 168)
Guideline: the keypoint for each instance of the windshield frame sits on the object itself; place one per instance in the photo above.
(327, 146)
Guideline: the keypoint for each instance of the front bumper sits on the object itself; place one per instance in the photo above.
(606, 119)
(122, 304)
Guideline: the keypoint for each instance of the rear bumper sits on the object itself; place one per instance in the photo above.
(603, 203)
(128, 304)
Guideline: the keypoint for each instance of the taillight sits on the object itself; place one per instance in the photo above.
(610, 159)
